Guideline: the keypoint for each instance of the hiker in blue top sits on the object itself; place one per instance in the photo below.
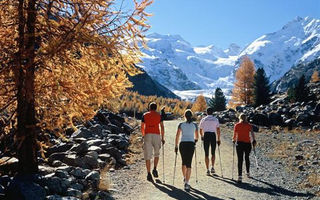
(189, 136)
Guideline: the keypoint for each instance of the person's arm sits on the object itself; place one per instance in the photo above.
(234, 138)
(143, 128)
(254, 142)
(177, 140)
(196, 135)
(218, 134)
(201, 129)
(162, 132)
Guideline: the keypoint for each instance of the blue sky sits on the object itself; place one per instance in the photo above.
(221, 22)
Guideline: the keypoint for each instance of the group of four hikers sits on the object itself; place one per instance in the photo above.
(152, 130)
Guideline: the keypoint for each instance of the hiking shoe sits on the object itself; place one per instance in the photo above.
(208, 173)
(186, 187)
(240, 179)
(213, 171)
(155, 173)
(248, 175)
(149, 177)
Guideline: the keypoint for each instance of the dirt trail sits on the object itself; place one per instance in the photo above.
(132, 184)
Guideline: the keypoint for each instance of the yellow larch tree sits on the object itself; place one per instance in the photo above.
(242, 93)
(61, 60)
(200, 104)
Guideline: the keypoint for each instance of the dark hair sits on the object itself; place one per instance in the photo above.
(153, 106)
(188, 115)
(209, 111)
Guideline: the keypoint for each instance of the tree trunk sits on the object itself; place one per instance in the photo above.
(26, 134)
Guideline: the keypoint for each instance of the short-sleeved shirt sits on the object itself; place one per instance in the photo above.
(152, 121)
(209, 124)
(242, 130)
(187, 131)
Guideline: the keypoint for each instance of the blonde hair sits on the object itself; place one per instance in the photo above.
(243, 117)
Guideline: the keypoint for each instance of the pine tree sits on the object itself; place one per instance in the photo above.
(220, 100)
(291, 94)
(301, 91)
(315, 77)
(261, 95)
(200, 104)
(242, 93)
(212, 102)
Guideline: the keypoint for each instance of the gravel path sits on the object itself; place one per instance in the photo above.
(270, 181)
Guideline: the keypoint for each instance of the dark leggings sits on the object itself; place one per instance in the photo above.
(186, 151)
(209, 139)
(243, 148)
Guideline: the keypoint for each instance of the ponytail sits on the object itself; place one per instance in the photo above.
(188, 115)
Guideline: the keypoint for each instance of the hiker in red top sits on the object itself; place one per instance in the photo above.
(241, 137)
(152, 130)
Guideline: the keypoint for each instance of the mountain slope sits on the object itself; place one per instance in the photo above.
(145, 85)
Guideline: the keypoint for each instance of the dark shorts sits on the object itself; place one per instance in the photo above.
(209, 139)
(186, 150)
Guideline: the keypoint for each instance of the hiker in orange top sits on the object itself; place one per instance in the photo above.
(241, 137)
(152, 130)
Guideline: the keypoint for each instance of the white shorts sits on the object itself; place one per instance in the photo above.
(152, 142)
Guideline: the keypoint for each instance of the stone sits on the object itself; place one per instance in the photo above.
(301, 168)
(115, 129)
(95, 148)
(65, 168)
(275, 119)
(127, 128)
(57, 156)
(62, 147)
(259, 119)
(104, 157)
(57, 163)
(299, 157)
(61, 174)
(57, 197)
(77, 186)
(70, 159)
(24, 188)
(53, 184)
(93, 176)
(82, 133)
(96, 129)
(78, 173)
(74, 193)
(95, 142)
(81, 148)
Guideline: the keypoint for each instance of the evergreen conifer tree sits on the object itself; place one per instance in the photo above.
(261, 92)
(301, 91)
(220, 100)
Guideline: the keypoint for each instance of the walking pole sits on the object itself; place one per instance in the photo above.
(220, 160)
(174, 169)
(163, 163)
(255, 156)
(195, 155)
(233, 158)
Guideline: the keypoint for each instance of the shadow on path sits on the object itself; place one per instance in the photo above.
(272, 190)
(177, 193)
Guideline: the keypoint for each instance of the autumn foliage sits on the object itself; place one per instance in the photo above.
(132, 102)
(242, 93)
(61, 60)
(200, 105)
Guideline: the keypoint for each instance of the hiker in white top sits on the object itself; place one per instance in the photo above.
(189, 136)
(210, 131)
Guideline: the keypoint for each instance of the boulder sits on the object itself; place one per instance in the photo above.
(61, 174)
(81, 148)
(57, 156)
(70, 159)
(93, 176)
(57, 197)
(105, 157)
(82, 133)
(275, 119)
(95, 148)
(62, 147)
(74, 193)
(96, 129)
(23, 188)
(78, 173)
(95, 142)
(259, 119)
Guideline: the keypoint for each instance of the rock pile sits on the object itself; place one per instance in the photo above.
(73, 167)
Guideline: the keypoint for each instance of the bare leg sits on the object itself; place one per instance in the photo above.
(207, 162)
(184, 171)
(155, 162)
(212, 160)
(188, 174)
(148, 165)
